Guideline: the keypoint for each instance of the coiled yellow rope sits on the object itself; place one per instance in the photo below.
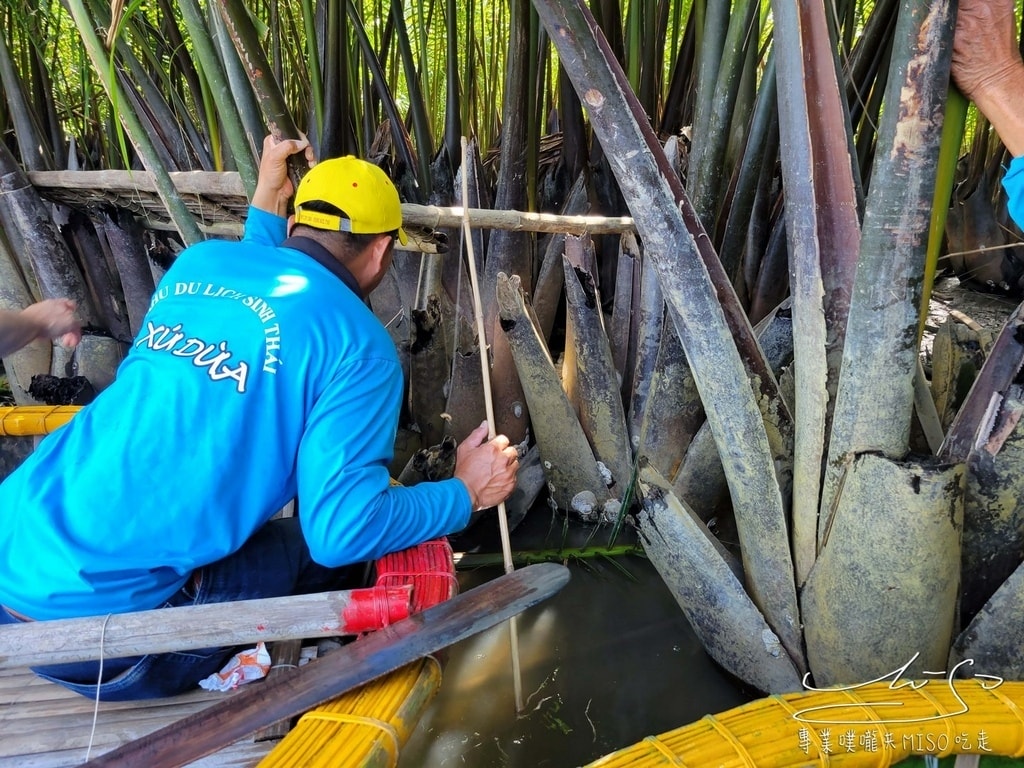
(367, 726)
(874, 725)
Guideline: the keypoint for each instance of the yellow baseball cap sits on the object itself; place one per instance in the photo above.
(360, 189)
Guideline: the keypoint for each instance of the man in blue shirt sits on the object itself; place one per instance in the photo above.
(259, 375)
(987, 67)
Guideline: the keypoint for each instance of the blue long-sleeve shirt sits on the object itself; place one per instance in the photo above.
(1013, 183)
(258, 376)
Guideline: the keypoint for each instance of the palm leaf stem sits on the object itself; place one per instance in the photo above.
(417, 105)
(663, 215)
(176, 208)
(219, 88)
(268, 92)
(35, 154)
(949, 153)
(711, 140)
(316, 79)
(759, 138)
(164, 123)
(875, 396)
(381, 89)
(713, 25)
(252, 126)
(822, 224)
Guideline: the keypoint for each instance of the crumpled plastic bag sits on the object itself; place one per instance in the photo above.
(244, 667)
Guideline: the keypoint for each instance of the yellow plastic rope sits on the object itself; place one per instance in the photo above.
(664, 750)
(391, 746)
(726, 734)
(1012, 707)
(812, 734)
(818, 727)
(392, 703)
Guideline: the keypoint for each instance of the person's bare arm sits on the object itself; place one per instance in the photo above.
(274, 187)
(987, 66)
(49, 319)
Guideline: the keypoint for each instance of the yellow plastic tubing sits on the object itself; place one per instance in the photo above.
(365, 727)
(876, 725)
(28, 420)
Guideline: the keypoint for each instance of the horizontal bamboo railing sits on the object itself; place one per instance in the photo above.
(219, 202)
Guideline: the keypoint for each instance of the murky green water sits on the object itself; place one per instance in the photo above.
(608, 660)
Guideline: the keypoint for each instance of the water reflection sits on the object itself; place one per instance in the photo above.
(608, 660)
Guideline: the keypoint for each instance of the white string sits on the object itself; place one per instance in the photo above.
(99, 681)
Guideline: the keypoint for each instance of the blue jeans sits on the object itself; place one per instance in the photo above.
(274, 562)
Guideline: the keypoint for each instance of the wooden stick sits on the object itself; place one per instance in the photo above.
(103, 184)
(967, 320)
(478, 310)
(325, 614)
(189, 182)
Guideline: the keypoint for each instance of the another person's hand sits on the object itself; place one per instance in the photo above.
(55, 319)
(274, 187)
(985, 52)
(486, 467)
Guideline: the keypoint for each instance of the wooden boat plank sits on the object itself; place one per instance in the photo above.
(43, 692)
(45, 726)
(41, 698)
(19, 690)
(10, 675)
(242, 754)
(69, 731)
(60, 714)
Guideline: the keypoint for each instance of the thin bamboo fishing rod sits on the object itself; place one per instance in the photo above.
(478, 311)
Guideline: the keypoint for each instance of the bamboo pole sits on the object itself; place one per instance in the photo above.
(111, 185)
(478, 310)
(324, 614)
(485, 218)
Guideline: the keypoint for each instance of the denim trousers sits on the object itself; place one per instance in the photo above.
(274, 562)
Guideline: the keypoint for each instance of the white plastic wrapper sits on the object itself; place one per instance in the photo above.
(244, 667)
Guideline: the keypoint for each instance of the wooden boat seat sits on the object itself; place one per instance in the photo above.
(43, 725)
